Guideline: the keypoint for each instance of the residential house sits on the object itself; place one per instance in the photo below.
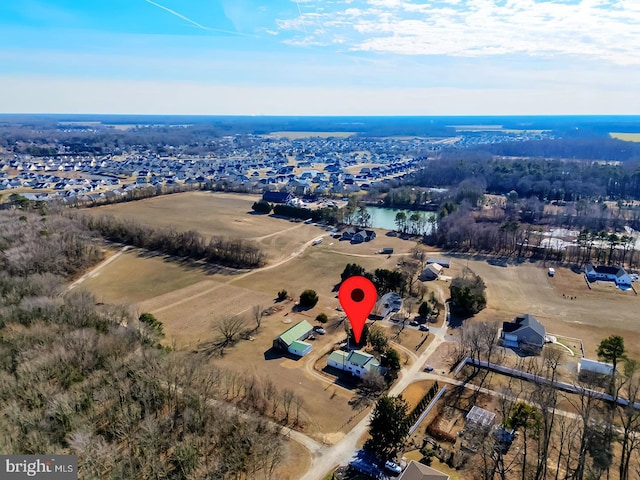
(363, 236)
(292, 340)
(356, 362)
(389, 303)
(277, 197)
(419, 471)
(440, 261)
(607, 273)
(524, 330)
(431, 272)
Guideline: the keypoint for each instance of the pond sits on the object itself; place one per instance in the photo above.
(386, 218)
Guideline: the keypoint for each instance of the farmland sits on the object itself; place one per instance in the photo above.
(627, 137)
(189, 300)
(220, 214)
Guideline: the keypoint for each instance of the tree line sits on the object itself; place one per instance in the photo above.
(325, 214)
(546, 179)
(230, 252)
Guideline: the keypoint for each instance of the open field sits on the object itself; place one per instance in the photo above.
(134, 278)
(219, 214)
(189, 301)
(414, 392)
(592, 315)
(627, 137)
(296, 461)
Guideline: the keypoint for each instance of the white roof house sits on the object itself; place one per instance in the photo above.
(356, 362)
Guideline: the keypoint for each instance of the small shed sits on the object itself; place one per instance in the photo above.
(595, 366)
(299, 348)
(480, 417)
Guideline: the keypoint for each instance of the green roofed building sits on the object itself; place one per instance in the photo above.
(356, 362)
(292, 340)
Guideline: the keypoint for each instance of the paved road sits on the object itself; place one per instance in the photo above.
(344, 451)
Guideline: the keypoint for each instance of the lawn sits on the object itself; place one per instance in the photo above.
(133, 278)
(592, 314)
(215, 213)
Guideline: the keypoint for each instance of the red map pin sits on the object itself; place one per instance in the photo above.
(357, 295)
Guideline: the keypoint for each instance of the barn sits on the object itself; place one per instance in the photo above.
(292, 340)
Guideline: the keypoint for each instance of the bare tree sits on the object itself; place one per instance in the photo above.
(230, 327)
(629, 416)
(545, 397)
(488, 332)
(287, 400)
(585, 405)
(370, 386)
(258, 313)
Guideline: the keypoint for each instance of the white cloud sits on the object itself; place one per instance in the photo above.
(604, 29)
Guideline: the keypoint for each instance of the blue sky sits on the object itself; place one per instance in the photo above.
(320, 57)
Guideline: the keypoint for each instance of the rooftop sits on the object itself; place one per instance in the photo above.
(418, 471)
(480, 416)
(295, 332)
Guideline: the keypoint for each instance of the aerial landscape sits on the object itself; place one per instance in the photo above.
(358, 239)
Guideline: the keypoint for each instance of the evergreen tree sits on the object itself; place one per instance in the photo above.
(388, 427)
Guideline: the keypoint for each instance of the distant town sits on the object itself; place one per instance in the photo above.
(322, 165)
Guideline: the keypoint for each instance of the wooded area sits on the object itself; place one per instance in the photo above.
(89, 379)
(230, 252)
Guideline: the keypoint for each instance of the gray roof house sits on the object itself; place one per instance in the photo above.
(524, 329)
(608, 273)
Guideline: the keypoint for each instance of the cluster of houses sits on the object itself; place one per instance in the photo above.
(299, 167)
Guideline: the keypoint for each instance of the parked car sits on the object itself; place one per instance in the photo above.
(428, 368)
(392, 467)
(413, 323)
(424, 328)
(319, 330)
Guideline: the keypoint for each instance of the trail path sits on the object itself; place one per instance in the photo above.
(279, 232)
(96, 270)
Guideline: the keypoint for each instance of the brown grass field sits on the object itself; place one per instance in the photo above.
(222, 214)
(134, 278)
(297, 460)
(188, 300)
(627, 137)
(594, 314)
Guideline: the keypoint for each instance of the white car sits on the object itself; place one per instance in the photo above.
(392, 467)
